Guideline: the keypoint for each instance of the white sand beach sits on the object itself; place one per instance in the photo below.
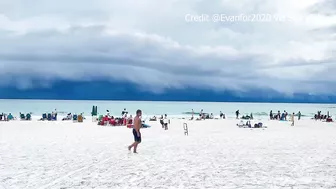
(216, 154)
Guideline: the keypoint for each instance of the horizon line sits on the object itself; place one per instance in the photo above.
(181, 101)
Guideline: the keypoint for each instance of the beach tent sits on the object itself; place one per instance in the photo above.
(94, 113)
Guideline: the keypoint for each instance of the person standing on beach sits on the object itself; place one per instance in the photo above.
(292, 119)
(299, 115)
(286, 114)
(161, 121)
(165, 122)
(237, 114)
(278, 115)
(201, 114)
(136, 132)
(124, 112)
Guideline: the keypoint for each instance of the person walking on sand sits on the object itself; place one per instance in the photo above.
(136, 132)
(292, 119)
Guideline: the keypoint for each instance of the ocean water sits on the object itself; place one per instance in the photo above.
(173, 109)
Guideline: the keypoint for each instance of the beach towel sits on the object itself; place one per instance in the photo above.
(145, 125)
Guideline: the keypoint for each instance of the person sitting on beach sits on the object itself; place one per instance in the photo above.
(248, 123)
(258, 125)
(211, 116)
(10, 117)
(318, 114)
(199, 118)
(54, 114)
(206, 116)
(202, 116)
(68, 117)
(105, 120)
(113, 121)
(153, 118)
(329, 119)
(130, 120)
(221, 114)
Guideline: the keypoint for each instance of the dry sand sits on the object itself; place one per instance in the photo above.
(216, 154)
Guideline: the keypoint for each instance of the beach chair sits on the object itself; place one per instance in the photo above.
(75, 118)
(54, 117)
(244, 125)
(80, 118)
(22, 117)
(49, 117)
(28, 117)
(44, 117)
(100, 118)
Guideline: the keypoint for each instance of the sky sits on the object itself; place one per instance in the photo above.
(282, 45)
